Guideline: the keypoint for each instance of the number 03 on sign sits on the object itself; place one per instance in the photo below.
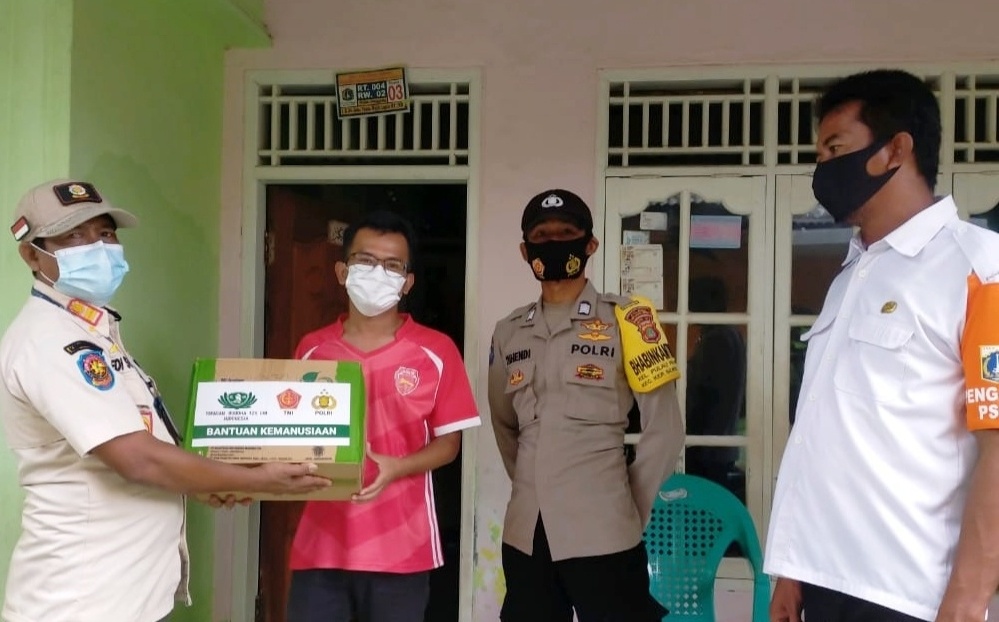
(372, 92)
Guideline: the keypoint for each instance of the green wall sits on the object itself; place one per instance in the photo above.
(128, 95)
(35, 41)
(147, 129)
(253, 9)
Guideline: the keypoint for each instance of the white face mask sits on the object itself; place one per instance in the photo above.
(373, 290)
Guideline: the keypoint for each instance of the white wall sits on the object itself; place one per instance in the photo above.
(540, 63)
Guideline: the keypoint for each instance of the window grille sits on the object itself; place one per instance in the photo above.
(723, 122)
(975, 119)
(686, 123)
(299, 126)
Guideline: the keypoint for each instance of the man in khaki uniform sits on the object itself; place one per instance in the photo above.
(102, 536)
(559, 398)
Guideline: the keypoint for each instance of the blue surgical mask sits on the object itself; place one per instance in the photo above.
(91, 273)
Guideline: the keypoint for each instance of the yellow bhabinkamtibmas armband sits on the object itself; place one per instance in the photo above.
(648, 363)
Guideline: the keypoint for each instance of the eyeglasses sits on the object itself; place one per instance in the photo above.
(395, 266)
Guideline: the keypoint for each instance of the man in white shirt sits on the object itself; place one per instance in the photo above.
(885, 507)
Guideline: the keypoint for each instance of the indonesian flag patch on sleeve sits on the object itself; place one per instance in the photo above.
(20, 228)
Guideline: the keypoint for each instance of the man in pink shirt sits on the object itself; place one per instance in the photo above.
(369, 559)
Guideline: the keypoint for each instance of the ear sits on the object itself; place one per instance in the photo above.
(900, 149)
(523, 251)
(408, 285)
(340, 269)
(29, 253)
(592, 246)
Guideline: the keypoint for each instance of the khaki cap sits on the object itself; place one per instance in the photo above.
(55, 207)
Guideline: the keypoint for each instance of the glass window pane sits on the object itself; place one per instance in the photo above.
(659, 225)
(716, 380)
(719, 249)
(796, 369)
(819, 247)
(716, 400)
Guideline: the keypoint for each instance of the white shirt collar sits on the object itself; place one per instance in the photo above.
(911, 236)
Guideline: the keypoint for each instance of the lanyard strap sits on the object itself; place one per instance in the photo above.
(158, 405)
(38, 294)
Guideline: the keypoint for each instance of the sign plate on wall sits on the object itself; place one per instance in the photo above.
(374, 92)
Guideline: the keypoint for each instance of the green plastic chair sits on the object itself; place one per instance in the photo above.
(694, 521)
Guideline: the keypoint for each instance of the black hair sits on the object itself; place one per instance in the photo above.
(382, 221)
(892, 101)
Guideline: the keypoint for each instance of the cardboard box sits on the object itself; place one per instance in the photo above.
(248, 411)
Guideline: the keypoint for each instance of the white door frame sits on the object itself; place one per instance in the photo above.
(237, 532)
(743, 196)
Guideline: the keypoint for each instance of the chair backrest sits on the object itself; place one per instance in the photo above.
(694, 521)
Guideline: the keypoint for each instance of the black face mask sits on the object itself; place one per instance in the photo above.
(557, 261)
(842, 184)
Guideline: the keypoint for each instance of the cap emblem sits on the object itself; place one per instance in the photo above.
(552, 200)
(76, 192)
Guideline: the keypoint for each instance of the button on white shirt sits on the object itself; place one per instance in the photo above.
(871, 490)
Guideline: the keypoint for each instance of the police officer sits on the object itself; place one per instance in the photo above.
(103, 520)
(559, 398)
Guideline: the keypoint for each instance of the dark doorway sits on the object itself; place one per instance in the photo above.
(301, 294)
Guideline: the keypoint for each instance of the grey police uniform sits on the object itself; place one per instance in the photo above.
(559, 402)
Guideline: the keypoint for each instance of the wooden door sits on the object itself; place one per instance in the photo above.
(301, 295)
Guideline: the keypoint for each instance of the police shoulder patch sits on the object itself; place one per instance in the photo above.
(615, 299)
(95, 370)
(78, 346)
(520, 312)
(85, 311)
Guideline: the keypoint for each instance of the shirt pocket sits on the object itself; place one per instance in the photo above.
(520, 389)
(875, 359)
(591, 390)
